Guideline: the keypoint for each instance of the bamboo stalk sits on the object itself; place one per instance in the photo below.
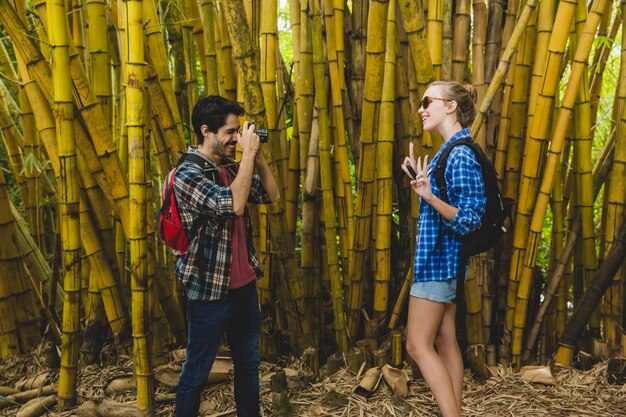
(137, 186)
(384, 162)
(600, 175)
(503, 67)
(68, 180)
(556, 147)
(367, 157)
(327, 180)
(254, 108)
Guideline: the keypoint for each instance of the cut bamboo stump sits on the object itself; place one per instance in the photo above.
(397, 380)
(396, 348)
(53, 357)
(381, 357)
(107, 408)
(37, 381)
(587, 361)
(355, 359)
(333, 364)
(37, 406)
(4, 391)
(616, 371)
(364, 347)
(280, 395)
(22, 397)
(369, 383)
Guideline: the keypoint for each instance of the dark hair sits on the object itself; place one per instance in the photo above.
(212, 112)
(464, 96)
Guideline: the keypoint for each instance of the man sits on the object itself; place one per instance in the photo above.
(219, 269)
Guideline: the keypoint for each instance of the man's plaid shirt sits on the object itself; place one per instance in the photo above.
(466, 190)
(205, 268)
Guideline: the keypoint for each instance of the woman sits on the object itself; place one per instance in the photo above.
(447, 108)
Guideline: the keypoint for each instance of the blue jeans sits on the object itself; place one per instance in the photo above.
(238, 316)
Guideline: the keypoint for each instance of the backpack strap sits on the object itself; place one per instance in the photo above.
(442, 162)
(440, 179)
(209, 171)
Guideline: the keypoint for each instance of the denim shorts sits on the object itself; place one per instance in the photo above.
(438, 291)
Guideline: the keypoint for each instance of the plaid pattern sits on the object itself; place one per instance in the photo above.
(466, 191)
(205, 268)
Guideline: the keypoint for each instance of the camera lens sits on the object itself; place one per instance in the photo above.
(262, 133)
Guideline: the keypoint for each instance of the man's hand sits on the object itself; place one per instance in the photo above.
(249, 140)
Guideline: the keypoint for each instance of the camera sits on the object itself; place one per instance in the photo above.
(262, 133)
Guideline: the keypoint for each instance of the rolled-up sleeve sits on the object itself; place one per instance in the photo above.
(200, 195)
(466, 190)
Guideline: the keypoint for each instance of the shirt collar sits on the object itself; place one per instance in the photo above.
(461, 134)
(225, 161)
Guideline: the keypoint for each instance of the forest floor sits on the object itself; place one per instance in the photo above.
(575, 393)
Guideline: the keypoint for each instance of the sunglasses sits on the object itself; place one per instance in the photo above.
(427, 100)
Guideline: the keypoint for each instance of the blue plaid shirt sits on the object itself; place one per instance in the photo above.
(466, 191)
(205, 268)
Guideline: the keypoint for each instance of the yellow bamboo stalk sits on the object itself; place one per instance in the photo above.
(99, 55)
(304, 83)
(435, 34)
(229, 72)
(75, 17)
(478, 67)
(198, 37)
(556, 147)
(376, 28)
(384, 175)
(616, 202)
(599, 63)
(344, 200)
(173, 140)
(421, 72)
(446, 45)
(503, 67)
(68, 180)
(13, 142)
(210, 54)
(254, 108)
(8, 70)
(519, 100)
(327, 180)
(461, 40)
(582, 154)
(17, 298)
(535, 148)
(137, 187)
(101, 160)
(359, 19)
(160, 60)
(545, 23)
(95, 125)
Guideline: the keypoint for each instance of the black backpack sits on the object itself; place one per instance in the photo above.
(492, 224)
(482, 239)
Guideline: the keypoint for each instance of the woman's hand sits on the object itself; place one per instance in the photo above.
(421, 183)
(409, 165)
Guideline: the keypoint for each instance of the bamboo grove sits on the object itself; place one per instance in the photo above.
(95, 105)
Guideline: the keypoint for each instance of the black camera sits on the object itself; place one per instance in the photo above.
(262, 133)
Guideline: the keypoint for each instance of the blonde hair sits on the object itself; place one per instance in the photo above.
(464, 96)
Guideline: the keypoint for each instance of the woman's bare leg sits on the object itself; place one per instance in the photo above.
(449, 352)
(425, 319)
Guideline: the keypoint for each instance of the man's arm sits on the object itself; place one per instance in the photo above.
(240, 186)
(267, 178)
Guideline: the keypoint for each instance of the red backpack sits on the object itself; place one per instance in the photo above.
(169, 226)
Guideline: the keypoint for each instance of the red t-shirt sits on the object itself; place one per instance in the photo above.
(241, 272)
